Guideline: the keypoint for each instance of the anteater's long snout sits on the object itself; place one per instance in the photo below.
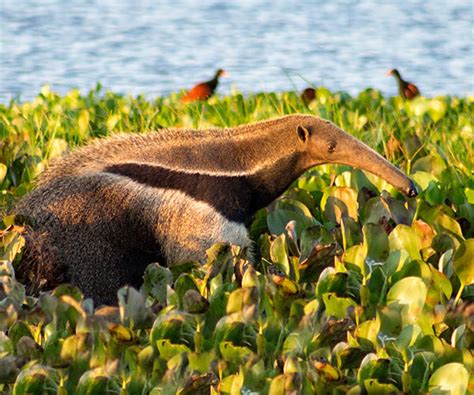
(412, 191)
(357, 154)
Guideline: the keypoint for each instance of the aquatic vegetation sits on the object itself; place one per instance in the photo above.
(355, 289)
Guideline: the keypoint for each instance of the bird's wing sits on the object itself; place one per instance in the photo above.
(413, 89)
(200, 91)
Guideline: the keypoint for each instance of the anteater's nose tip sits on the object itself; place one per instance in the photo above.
(412, 191)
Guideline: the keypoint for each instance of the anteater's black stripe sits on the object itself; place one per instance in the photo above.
(235, 197)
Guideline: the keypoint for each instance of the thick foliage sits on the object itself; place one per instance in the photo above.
(355, 288)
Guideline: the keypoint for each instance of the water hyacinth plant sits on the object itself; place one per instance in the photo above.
(354, 289)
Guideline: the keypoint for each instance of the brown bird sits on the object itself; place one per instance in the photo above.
(203, 90)
(308, 95)
(407, 89)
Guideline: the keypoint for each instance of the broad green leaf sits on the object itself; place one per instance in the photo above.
(11, 243)
(432, 164)
(202, 361)
(3, 172)
(83, 123)
(437, 109)
(233, 353)
(408, 336)
(330, 281)
(372, 367)
(404, 237)
(97, 381)
(168, 350)
(336, 306)
(194, 302)
(351, 232)
(375, 387)
(112, 121)
(295, 206)
(410, 292)
(395, 261)
(36, 379)
(57, 147)
(155, 281)
(133, 311)
(184, 283)
(367, 332)
(339, 202)
(279, 253)
(423, 179)
(377, 242)
(279, 218)
(172, 325)
(464, 262)
(451, 379)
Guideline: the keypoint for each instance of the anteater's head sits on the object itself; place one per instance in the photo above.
(320, 141)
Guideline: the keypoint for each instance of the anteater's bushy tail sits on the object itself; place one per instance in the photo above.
(38, 268)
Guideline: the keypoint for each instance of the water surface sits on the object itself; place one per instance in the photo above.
(156, 47)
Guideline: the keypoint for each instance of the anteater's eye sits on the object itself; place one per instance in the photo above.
(331, 146)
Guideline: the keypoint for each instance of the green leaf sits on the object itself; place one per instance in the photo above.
(233, 353)
(174, 326)
(11, 243)
(375, 387)
(377, 242)
(408, 336)
(83, 123)
(410, 292)
(351, 232)
(36, 379)
(464, 262)
(133, 311)
(367, 332)
(279, 253)
(337, 307)
(112, 121)
(168, 350)
(155, 281)
(372, 367)
(194, 302)
(451, 378)
(279, 218)
(97, 381)
(423, 179)
(331, 281)
(437, 108)
(56, 147)
(3, 172)
(404, 237)
(339, 202)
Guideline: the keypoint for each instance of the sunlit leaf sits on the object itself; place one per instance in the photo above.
(233, 353)
(338, 203)
(155, 280)
(3, 172)
(336, 306)
(410, 292)
(451, 378)
(464, 262)
(405, 238)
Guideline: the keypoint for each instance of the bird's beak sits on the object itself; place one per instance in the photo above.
(224, 74)
(388, 73)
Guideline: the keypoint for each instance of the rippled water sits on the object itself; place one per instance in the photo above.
(155, 47)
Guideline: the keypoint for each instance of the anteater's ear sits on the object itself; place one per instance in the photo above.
(303, 133)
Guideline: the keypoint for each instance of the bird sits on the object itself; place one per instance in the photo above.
(308, 95)
(204, 90)
(407, 89)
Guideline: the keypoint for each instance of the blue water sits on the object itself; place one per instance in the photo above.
(155, 47)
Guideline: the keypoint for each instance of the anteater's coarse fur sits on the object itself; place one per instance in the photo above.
(118, 204)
